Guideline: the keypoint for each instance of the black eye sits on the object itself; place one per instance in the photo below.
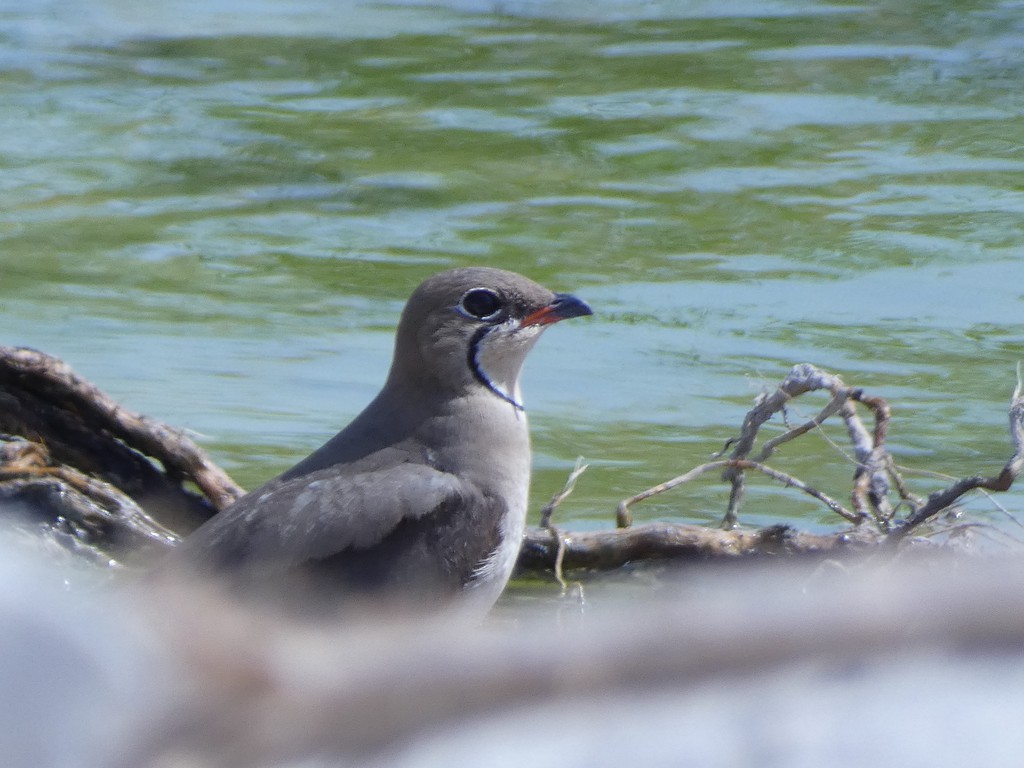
(481, 303)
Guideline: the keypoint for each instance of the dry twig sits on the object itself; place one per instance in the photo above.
(940, 500)
(800, 380)
(549, 509)
(624, 518)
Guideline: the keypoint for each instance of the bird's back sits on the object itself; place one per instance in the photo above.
(383, 512)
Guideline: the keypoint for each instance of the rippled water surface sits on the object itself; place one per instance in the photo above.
(216, 209)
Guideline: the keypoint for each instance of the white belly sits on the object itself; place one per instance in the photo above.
(490, 578)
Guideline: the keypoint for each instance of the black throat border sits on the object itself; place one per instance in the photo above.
(478, 372)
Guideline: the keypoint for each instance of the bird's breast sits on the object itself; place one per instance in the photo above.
(485, 441)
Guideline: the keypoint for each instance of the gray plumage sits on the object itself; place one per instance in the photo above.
(425, 492)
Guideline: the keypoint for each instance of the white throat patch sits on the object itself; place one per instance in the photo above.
(496, 357)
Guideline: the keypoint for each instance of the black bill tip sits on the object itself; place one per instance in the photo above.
(564, 306)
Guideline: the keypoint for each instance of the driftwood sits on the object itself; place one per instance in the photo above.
(873, 514)
(45, 400)
(605, 550)
(115, 483)
(107, 478)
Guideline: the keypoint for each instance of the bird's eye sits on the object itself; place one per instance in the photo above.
(481, 303)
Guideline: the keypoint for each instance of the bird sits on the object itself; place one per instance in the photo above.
(423, 496)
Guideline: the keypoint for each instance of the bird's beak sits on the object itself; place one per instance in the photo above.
(563, 307)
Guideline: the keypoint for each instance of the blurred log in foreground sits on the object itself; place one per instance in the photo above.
(116, 485)
(899, 663)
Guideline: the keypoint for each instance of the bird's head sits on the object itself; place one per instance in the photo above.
(473, 327)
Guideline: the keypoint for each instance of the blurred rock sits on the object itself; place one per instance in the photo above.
(80, 673)
(911, 663)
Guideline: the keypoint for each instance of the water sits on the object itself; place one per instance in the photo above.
(215, 210)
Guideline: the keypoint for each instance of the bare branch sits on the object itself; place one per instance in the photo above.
(871, 479)
(624, 518)
(562, 495)
(940, 500)
(833, 407)
(801, 379)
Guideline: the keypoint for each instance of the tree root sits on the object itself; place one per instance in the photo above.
(101, 471)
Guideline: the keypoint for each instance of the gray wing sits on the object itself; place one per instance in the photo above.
(322, 514)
